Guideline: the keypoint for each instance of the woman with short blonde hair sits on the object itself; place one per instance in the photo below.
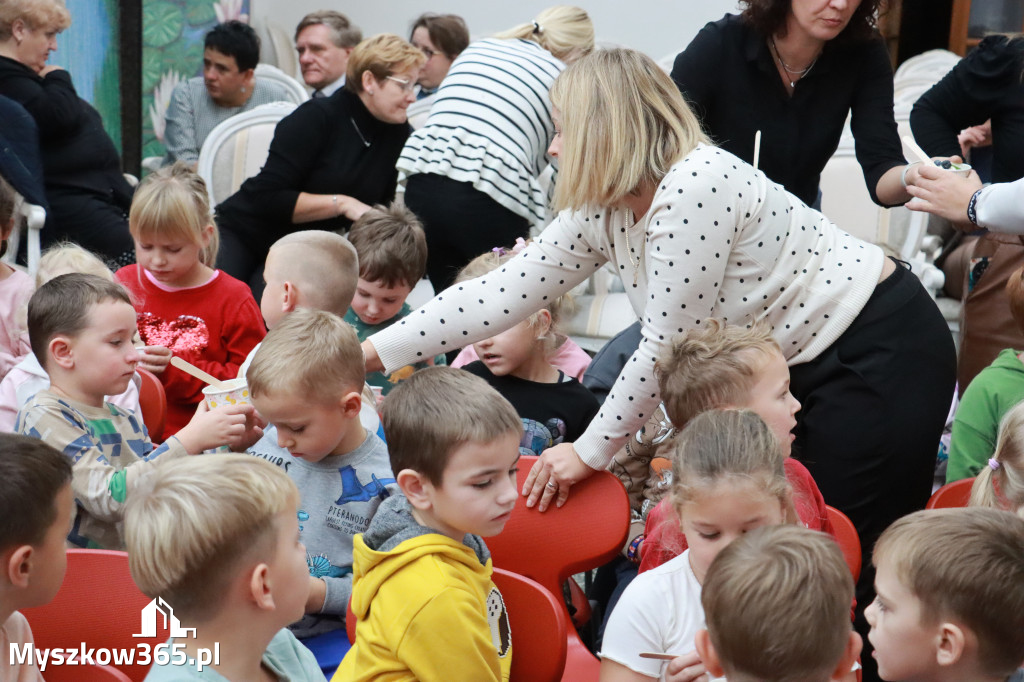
(87, 193)
(330, 160)
(696, 233)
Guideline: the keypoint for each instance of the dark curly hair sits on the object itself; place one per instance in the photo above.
(769, 17)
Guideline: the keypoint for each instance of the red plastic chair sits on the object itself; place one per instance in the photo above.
(586, 533)
(538, 622)
(153, 402)
(539, 625)
(98, 604)
(955, 494)
(849, 541)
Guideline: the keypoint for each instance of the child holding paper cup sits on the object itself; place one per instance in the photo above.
(185, 307)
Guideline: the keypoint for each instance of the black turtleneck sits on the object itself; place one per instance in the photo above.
(329, 145)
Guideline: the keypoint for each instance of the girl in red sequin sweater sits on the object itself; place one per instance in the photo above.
(185, 307)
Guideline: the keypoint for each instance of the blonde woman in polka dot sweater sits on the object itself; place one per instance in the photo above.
(694, 233)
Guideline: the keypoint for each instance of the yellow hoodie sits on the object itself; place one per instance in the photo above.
(426, 606)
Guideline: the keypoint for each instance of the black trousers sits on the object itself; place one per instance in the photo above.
(873, 408)
(242, 257)
(92, 221)
(461, 222)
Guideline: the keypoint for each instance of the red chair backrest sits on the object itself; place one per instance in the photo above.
(539, 627)
(538, 623)
(849, 541)
(99, 605)
(587, 532)
(549, 547)
(153, 402)
(955, 494)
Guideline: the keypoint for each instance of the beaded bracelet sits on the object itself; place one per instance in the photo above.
(633, 551)
(972, 208)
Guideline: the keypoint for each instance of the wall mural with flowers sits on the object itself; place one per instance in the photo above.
(89, 51)
(172, 50)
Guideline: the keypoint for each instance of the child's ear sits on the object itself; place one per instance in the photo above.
(19, 566)
(416, 488)
(207, 235)
(707, 653)
(542, 324)
(62, 351)
(854, 645)
(260, 589)
(953, 639)
(351, 404)
(290, 299)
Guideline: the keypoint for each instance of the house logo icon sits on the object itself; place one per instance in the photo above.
(149, 620)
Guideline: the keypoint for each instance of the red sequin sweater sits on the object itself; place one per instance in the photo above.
(213, 326)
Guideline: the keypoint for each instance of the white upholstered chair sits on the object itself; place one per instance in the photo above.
(237, 148)
(296, 90)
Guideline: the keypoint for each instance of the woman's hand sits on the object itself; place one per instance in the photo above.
(686, 668)
(154, 358)
(944, 194)
(373, 363)
(554, 473)
(975, 136)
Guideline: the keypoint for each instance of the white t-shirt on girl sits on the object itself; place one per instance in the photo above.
(659, 612)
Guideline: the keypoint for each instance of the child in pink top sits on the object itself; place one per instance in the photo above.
(15, 290)
(185, 307)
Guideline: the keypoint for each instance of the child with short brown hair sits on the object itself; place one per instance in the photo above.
(777, 604)
(392, 252)
(950, 596)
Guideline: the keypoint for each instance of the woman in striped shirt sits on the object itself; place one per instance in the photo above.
(472, 169)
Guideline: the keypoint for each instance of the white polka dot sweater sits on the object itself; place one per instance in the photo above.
(720, 240)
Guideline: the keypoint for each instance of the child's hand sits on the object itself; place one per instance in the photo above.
(154, 358)
(686, 668)
(317, 595)
(213, 428)
(253, 432)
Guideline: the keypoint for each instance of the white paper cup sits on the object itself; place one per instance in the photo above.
(963, 171)
(235, 393)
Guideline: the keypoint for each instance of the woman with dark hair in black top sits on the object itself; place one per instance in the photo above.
(794, 69)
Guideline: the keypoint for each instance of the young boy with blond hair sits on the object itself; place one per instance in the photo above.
(306, 381)
(306, 269)
(36, 505)
(217, 539)
(950, 597)
(777, 608)
(719, 366)
(81, 329)
(423, 594)
(392, 252)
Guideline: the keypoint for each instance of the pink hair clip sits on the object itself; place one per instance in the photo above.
(993, 464)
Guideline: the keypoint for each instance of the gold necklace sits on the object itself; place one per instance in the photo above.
(629, 248)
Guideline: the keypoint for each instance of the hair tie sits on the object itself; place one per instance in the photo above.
(993, 464)
(499, 250)
(519, 245)
(537, 28)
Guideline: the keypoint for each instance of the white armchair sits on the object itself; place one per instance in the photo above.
(237, 148)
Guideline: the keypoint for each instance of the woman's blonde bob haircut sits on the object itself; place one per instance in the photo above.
(623, 125)
(382, 55)
(172, 203)
(563, 30)
(41, 15)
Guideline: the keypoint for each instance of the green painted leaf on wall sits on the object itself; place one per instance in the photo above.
(201, 12)
(152, 69)
(162, 23)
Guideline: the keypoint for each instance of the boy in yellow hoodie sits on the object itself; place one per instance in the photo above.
(426, 606)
